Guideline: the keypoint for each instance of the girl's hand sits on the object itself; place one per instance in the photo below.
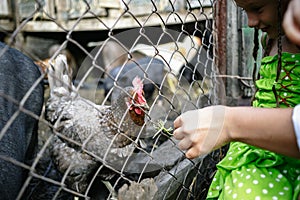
(202, 131)
(291, 22)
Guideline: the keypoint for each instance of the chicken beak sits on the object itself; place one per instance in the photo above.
(145, 106)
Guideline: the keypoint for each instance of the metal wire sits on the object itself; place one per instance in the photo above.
(97, 33)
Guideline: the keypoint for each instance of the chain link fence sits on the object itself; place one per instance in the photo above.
(70, 135)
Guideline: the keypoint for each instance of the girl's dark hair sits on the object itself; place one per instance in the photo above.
(254, 54)
(279, 50)
(267, 52)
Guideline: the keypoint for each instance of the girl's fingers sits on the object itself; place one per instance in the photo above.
(178, 134)
(193, 152)
(184, 144)
(178, 122)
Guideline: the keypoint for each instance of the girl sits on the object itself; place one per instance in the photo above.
(249, 172)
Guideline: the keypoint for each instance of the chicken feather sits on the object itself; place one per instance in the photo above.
(92, 134)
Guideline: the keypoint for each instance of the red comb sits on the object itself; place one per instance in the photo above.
(137, 84)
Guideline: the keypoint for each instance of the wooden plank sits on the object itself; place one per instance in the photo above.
(117, 23)
(110, 4)
(6, 25)
(146, 5)
(27, 7)
(67, 10)
(5, 10)
(136, 7)
(141, 7)
(201, 3)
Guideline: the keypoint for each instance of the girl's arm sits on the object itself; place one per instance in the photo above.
(204, 130)
(267, 128)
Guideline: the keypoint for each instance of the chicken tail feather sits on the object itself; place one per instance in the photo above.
(60, 75)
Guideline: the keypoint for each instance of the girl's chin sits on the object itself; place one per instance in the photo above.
(272, 35)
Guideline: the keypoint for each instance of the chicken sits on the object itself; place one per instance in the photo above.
(88, 134)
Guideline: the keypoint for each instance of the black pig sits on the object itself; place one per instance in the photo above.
(18, 136)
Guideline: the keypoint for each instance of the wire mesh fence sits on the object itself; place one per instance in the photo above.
(76, 124)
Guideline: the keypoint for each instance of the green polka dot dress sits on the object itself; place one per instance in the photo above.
(251, 173)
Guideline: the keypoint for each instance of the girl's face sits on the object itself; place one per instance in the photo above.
(263, 14)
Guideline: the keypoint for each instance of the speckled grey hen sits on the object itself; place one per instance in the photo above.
(90, 134)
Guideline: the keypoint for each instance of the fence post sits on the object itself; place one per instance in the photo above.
(220, 32)
(233, 61)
